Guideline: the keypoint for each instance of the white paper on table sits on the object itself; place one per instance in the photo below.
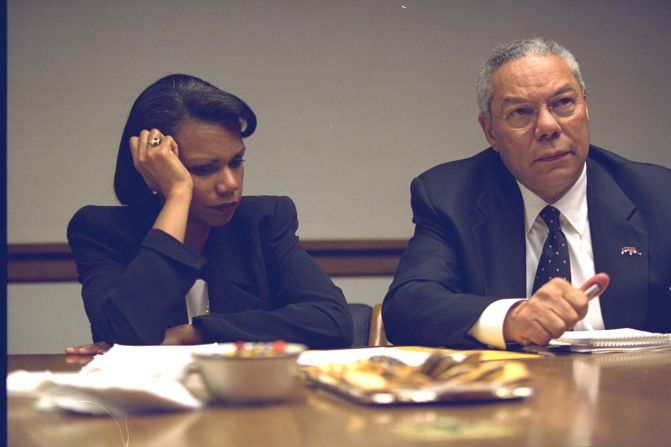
(124, 379)
(146, 361)
(612, 340)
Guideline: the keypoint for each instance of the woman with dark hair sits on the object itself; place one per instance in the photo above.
(187, 259)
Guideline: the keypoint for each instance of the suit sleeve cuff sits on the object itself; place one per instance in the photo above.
(489, 327)
(166, 245)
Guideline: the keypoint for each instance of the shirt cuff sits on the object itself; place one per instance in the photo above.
(489, 327)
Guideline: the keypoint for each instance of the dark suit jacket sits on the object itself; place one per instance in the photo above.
(468, 249)
(262, 285)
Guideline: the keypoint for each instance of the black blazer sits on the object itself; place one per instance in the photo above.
(468, 249)
(262, 285)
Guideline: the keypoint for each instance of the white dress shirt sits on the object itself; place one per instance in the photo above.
(197, 300)
(575, 225)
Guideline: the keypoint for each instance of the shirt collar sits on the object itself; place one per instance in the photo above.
(572, 205)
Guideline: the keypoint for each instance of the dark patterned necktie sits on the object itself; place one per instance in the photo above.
(554, 259)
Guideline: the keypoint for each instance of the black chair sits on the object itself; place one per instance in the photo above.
(361, 314)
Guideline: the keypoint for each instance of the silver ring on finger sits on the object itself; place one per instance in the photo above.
(154, 142)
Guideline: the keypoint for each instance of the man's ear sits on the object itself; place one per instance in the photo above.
(586, 111)
(486, 125)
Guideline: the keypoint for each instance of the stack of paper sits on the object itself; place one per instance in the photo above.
(126, 379)
(611, 340)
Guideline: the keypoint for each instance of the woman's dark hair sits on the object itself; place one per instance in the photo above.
(164, 105)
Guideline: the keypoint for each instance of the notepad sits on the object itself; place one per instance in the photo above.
(625, 339)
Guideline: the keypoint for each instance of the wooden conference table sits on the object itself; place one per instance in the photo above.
(579, 400)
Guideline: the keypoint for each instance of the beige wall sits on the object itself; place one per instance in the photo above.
(354, 98)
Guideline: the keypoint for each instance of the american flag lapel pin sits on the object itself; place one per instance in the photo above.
(631, 251)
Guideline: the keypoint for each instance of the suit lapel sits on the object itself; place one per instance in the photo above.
(614, 224)
(230, 284)
(499, 236)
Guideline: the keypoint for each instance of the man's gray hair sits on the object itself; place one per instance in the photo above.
(514, 50)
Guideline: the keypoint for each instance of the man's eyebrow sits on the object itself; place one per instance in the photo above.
(519, 100)
(515, 100)
(565, 89)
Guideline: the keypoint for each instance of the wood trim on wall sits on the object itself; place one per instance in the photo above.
(53, 262)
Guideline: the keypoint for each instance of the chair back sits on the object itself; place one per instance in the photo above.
(361, 315)
(376, 336)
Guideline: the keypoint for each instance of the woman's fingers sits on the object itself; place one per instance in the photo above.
(88, 349)
(184, 334)
(155, 156)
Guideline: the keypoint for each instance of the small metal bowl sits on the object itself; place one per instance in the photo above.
(232, 375)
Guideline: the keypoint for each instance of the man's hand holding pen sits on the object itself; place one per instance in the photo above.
(555, 308)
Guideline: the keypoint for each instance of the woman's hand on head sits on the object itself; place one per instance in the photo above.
(156, 157)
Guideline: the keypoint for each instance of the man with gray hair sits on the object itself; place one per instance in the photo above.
(514, 244)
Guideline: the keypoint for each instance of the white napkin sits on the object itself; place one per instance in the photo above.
(126, 379)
